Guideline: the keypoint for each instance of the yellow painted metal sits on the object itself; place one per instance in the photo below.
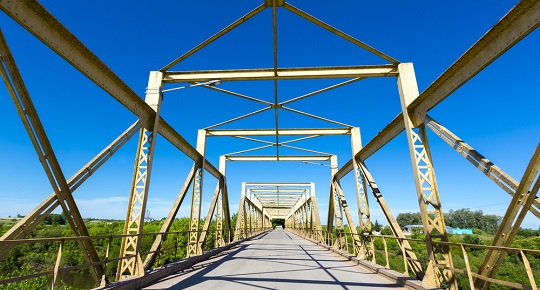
(282, 132)
(26, 224)
(138, 197)
(514, 26)
(57, 264)
(46, 155)
(511, 222)
(367, 248)
(396, 229)
(521, 20)
(426, 184)
(167, 223)
(529, 271)
(468, 267)
(194, 245)
(216, 36)
(260, 74)
(338, 32)
(492, 171)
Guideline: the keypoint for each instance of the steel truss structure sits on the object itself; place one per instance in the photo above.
(261, 202)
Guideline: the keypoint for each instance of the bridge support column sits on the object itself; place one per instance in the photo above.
(140, 185)
(194, 245)
(366, 250)
(426, 185)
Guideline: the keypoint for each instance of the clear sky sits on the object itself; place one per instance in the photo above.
(496, 112)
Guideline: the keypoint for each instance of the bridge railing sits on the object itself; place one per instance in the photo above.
(173, 248)
(389, 253)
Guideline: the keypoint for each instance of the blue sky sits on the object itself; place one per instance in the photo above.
(496, 112)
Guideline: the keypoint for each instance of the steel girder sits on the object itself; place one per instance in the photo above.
(396, 229)
(38, 21)
(36, 216)
(132, 265)
(514, 26)
(511, 222)
(149, 261)
(281, 132)
(492, 171)
(250, 218)
(194, 247)
(426, 184)
(219, 205)
(280, 74)
(32, 123)
(278, 158)
(367, 248)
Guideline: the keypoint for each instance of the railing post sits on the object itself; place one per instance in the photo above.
(386, 254)
(57, 264)
(469, 275)
(104, 275)
(406, 273)
(529, 270)
(176, 247)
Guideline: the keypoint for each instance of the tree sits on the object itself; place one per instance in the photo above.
(377, 226)
(465, 218)
(55, 219)
(387, 231)
(409, 218)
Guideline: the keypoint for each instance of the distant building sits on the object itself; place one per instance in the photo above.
(458, 231)
(450, 230)
(409, 228)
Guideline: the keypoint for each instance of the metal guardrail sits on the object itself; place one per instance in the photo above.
(343, 241)
(248, 232)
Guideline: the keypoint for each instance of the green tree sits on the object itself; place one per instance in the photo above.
(409, 218)
(377, 226)
(387, 231)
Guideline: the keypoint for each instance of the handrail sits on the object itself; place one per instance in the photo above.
(251, 231)
(336, 235)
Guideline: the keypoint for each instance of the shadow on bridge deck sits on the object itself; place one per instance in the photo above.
(276, 260)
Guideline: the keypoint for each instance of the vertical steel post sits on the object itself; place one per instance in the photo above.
(426, 185)
(366, 249)
(140, 183)
(316, 216)
(194, 245)
(240, 222)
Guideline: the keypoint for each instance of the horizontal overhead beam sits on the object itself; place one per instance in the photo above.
(514, 26)
(280, 184)
(281, 132)
(280, 158)
(281, 73)
(38, 21)
(277, 198)
(282, 192)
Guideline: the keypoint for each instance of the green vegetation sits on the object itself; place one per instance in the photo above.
(278, 222)
(484, 226)
(461, 218)
(32, 258)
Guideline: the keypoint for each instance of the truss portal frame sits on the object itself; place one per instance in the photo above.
(514, 26)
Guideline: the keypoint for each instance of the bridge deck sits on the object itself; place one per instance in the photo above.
(276, 260)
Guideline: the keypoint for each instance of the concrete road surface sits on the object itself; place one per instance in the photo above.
(276, 260)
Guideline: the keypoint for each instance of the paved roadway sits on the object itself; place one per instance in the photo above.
(276, 260)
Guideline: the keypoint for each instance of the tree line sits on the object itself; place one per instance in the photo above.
(461, 218)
